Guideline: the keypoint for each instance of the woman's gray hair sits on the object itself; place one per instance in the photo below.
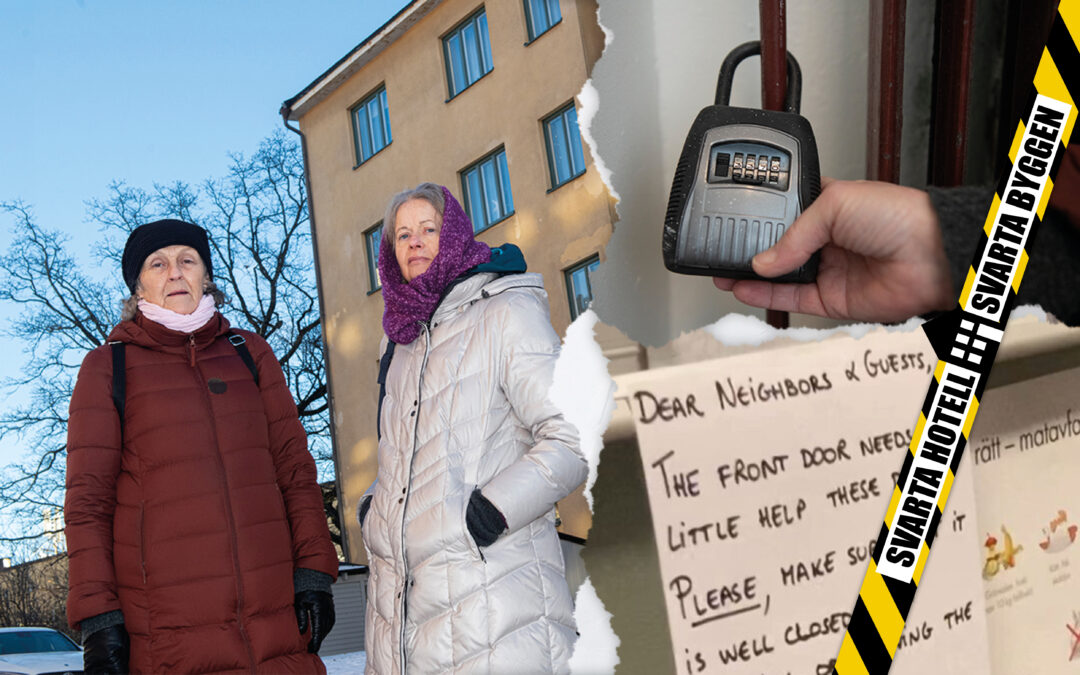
(129, 308)
(429, 192)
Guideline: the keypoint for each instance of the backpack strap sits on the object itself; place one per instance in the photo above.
(238, 341)
(384, 367)
(119, 375)
(119, 381)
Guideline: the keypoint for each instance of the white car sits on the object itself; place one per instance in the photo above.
(38, 651)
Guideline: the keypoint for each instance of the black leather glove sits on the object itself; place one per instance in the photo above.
(484, 520)
(106, 651)
(318, 607)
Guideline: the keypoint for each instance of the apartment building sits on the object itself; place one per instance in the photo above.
(481, 98)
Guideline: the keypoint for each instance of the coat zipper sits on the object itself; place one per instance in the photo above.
(230, 517)
(408, 483)
(405, 504)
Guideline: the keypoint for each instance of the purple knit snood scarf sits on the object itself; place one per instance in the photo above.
(409, 303)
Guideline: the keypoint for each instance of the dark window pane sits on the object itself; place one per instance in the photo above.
(472, 53)
(374, 241)
(457, 63)
(574, 134)
(531, 19)
(468, 53)
(577, 277)
(579, 286)
(583, 302)
(541, 15)
(581, 295)
(374, 108)
(565, 154)
(559, 150)
(485, 43)
(504, 180)
(487, 190)
(386, 114)
(364, 132)
(491, 191)
(554, 15)
(371, 125)
(475, 199)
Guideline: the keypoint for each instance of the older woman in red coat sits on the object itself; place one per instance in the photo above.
(196, 533)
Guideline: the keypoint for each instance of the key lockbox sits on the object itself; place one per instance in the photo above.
(743, 177)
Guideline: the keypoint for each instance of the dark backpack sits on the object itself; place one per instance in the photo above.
(119, 374)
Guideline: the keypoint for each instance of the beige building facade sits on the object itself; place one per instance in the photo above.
(425, 99)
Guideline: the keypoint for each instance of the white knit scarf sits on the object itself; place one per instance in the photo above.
(183, 323)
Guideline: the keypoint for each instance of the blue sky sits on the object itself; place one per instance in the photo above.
(144, 92)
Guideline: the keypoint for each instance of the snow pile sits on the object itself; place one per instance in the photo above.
(350, 663)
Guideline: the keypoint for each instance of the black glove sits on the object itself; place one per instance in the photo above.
(361, 513)
(484, 520)
(319, 606)
(107, 651)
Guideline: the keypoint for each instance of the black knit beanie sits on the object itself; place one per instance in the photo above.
(145, 239)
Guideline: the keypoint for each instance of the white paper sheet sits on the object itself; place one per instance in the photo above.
(1025, 451)
(769, 475)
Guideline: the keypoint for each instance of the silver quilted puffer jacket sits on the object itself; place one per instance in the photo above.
(466, 406)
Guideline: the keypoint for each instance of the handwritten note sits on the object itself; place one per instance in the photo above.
(768, 478)
(1026, 451)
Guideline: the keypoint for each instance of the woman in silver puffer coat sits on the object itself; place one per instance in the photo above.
(466, 568)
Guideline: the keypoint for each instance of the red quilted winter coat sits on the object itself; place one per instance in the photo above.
(194, 527)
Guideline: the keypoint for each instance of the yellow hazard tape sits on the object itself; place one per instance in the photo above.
(879, 603)
(966, 341)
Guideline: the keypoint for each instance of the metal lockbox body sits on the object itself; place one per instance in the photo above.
(743, 177)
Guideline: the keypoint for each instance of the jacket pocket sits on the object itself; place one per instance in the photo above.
(142, 539)
(281, 503)
(474, 548)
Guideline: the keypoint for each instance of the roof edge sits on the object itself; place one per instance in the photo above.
(328, 82)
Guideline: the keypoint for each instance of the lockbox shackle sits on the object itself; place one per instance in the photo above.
(753, 48)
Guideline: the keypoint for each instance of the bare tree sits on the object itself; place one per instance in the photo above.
(257, 217)
(35, 593)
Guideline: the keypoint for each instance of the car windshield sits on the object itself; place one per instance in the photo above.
(34, 641)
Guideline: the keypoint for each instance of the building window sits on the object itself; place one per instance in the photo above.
(565, 158)
(468, 53)
(579, 285)
(371, 125)
(486, 185)
(541, 15)
(372, 240)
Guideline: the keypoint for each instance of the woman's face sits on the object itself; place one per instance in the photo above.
(173, 278)
(416, 237)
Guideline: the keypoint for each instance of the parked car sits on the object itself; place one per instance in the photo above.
(38, 651)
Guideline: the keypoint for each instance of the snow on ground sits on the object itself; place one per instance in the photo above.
(351, 663)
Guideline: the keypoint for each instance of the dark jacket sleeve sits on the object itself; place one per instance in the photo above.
(93, 464)
(1052, 276)
(294, 466)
